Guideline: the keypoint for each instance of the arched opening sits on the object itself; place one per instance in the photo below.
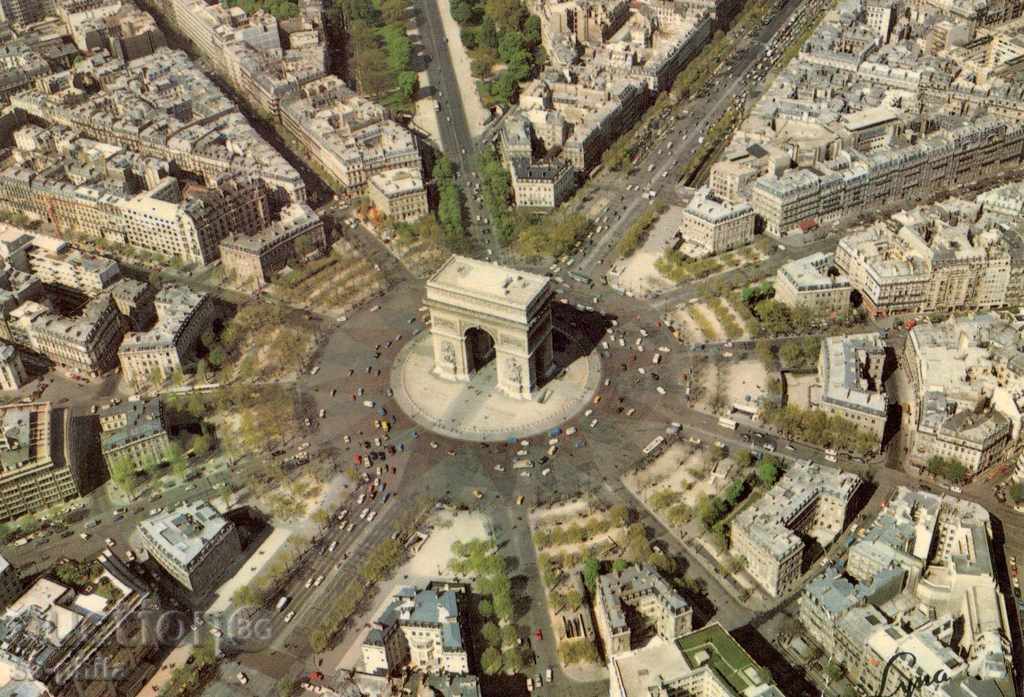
(479, 349)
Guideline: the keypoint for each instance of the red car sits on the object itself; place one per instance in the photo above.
(539, 635)
(316, 676)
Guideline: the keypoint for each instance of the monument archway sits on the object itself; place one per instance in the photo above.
(480, 349)
(480, 311)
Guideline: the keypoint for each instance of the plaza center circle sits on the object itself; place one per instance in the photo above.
(477, 410)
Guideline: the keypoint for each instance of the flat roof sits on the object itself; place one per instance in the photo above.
(481, 278)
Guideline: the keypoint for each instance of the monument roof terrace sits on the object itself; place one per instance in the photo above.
(488, 281)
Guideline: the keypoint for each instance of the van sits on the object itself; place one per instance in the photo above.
(545, 472)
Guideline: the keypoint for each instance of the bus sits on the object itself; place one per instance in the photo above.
(580, 278)
(727, 423)
(653, 445)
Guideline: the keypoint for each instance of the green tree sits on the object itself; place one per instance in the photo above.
(286, 686)
(512, 660)
(768, 470)
(509, 635)
(177, 460)
(487, 35)
(216, 356)
(462, 11)
(508, 15)
(1017, 492)
(372, 72)
(504, 608)
(485, 608)
(491, 634)
(393, 11)
(591, 569)
(490, 660)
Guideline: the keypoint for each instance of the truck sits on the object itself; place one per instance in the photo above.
(728, 423)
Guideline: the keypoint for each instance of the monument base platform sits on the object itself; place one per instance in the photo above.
(477, 410)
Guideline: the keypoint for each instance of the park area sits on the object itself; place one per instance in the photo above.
(333, 285)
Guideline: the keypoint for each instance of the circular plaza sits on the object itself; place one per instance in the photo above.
(477, 410)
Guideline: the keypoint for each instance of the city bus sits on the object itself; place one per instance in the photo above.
(727, 423)
(653, 445)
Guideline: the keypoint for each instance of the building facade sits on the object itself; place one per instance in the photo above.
(48, 457)
(133, 432)
(631, 601)
(809, 499)
(813, 282)
(193, 543)
(182, 316)
(419, 630)
(399, 194)
(712, 225)
(851, 372)
(252, 259)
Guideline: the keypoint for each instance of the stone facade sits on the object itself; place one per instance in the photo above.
(481, 311)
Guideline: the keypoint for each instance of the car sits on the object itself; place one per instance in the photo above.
(129, 555)
(309, 583)
(243, 678)
(318, 581)
(84, 535)
(477, 493)
(109, 542)
(289, 617)
(539, 635)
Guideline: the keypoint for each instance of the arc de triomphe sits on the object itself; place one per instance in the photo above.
(480, 310)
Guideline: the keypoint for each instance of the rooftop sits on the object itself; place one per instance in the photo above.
(483, 279)
(184, 533)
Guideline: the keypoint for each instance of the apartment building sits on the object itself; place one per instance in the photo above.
(810, 500)
(193, 543)
(419, 630)
(191, 226)
(186, 120)
(12, 370)
(47, 457)
(182, 316)
(813, 282)
(133, 432)
(631, 603)
(248, 49)
(120, 28)
(968, 390)
(706, 663)
(920, 581)
(712, 225)
(399, 194)
(350, 137)
(55, 262)
(851, 372)
(55, 638)
(84, 345)
(251, 260)
(541, 184)
(946, 257)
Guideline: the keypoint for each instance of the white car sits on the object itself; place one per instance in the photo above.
(318, 581)
(289, 617)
